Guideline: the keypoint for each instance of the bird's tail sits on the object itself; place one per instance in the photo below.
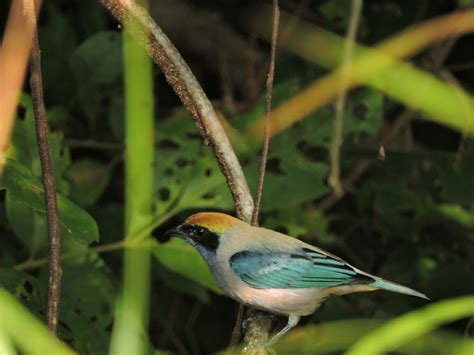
(392, 286)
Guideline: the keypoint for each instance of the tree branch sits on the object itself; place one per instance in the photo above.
(184, 83)
(55, 272)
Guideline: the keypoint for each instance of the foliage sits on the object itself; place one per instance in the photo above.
(408, 218)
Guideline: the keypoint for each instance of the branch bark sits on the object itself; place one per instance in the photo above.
(50, 200)
(191, 94)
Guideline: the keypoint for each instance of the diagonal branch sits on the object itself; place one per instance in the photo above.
(184, 83)
(50, 200)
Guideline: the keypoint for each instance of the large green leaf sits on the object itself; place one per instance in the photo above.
(182, 258)
(87, 305)
(414, 324)
(26, 192)
(97, 67)
(88, 178)
(24, 147)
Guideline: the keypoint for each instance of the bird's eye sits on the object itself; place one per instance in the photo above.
(200, 232)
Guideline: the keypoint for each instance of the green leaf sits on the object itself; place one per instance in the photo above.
(58, 40)
(412, 325)
(98, 60)
(88, 178)
(97, 67)
(87, 305)
(28, 224)
(27, 192)
(25, 149)
(24, 287)
(337, 336)
(297, 166)
(364, 113)
(26, 331)
(458, 214)
(456, 180)
(182, 258)
(180, 283)
(187, 175)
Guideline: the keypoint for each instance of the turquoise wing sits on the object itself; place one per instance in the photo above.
(304, 268)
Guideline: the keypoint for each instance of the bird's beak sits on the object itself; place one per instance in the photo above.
(175, 232)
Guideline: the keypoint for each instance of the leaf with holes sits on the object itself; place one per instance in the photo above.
(187, 175)
(26, 288)
(87, 304)
(297, 166)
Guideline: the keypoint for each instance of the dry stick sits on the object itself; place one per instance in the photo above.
(55, 272)
(184, 83)
(335, 149)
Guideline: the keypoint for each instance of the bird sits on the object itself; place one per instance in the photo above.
(271, 271)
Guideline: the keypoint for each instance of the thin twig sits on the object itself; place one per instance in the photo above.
(257, 331)
(335, 149)
(50, 200)
(184, 83)
(268, 110)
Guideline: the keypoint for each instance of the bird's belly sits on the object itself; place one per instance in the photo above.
(295, 301)
(280, 301)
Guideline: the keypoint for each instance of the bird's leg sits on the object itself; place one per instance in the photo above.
(292, 321)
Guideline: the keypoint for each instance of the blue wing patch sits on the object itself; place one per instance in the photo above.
(305, 268)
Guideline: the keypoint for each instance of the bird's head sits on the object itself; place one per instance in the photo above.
(204, 230)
